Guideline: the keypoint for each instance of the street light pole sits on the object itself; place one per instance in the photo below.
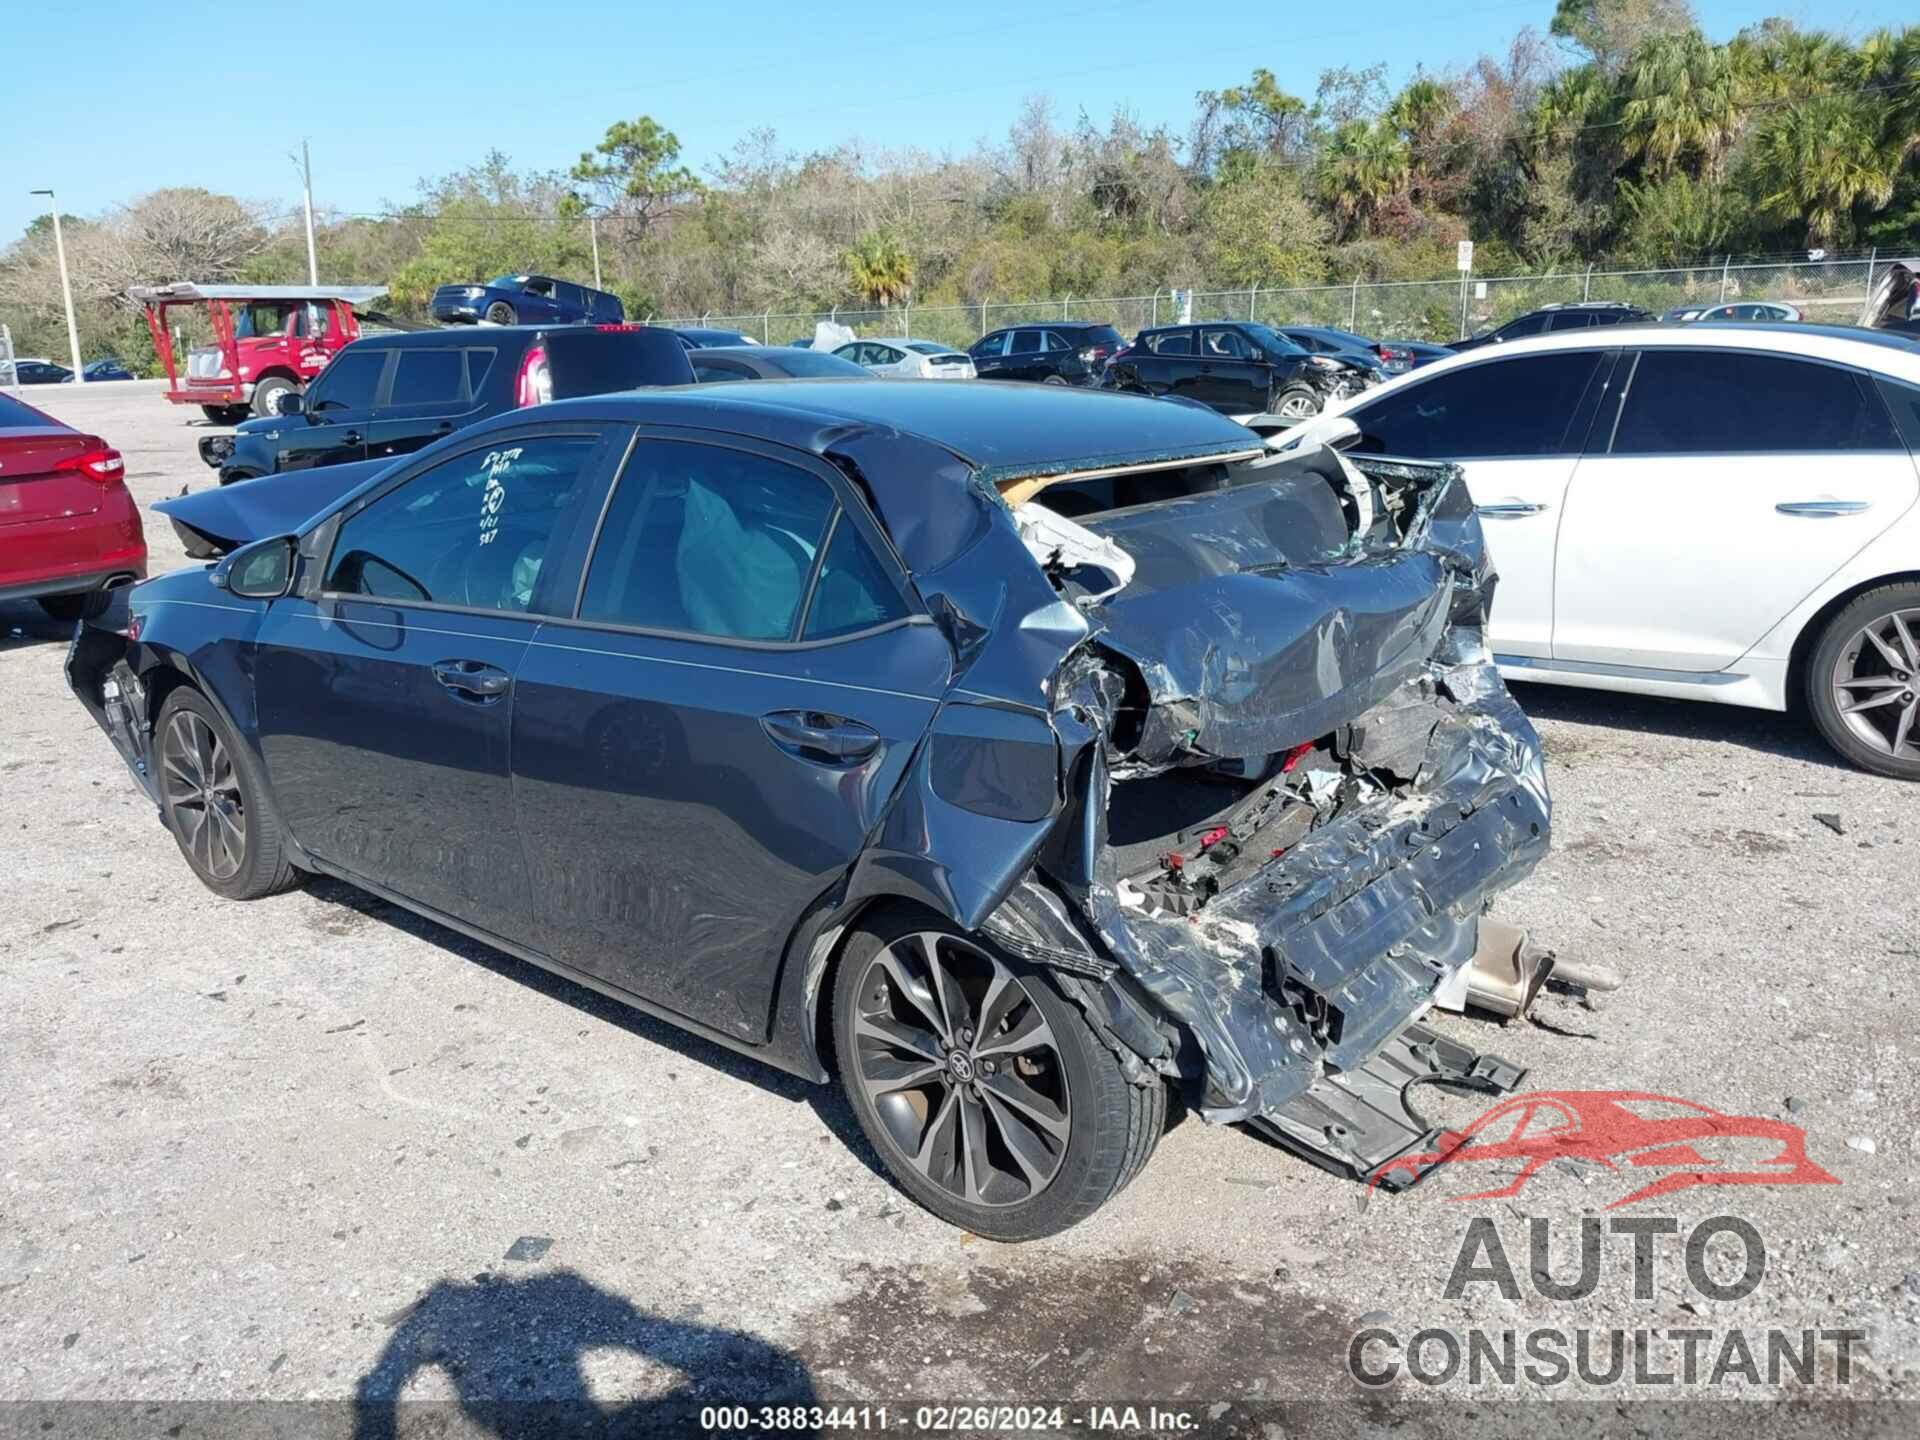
(306, 174)
(593, 231)
(66, 288)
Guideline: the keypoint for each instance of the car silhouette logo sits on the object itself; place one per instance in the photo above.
(1685, 1144)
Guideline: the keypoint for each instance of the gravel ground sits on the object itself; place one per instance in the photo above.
(316, 1148)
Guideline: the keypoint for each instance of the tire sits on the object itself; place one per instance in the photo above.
(225, 414)
(1054, 380)
(69, 608)
(500, 313)
(1084, 1129)
(230, 477)
(1295, 402)
(204, 770)
(267, 393)
(1880, 682)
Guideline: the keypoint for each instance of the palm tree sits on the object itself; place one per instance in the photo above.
(1682, 102)
(1816, 160)
(880, 269)
(1364, 166)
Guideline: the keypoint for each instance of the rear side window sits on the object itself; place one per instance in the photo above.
(1025, 342)
(708, 541)
(1526, 325)
(1571, 320)
(12, 413)
(711, 370)
(471, 531)
(428, 377)
(854, 592)
(1179, 342)
(350, 382)
(1521, 406)
(1726, 402)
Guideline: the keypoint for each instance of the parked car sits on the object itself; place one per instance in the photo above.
(1579, 315)
(771, 362)
(762, 707)
(1735, 310)
(69, 531)
(1404, 355)
(108, 368)
(699, 339)
(526, 300)
(393, 394)
(1357, 351)
(1724, 513)
(268, 340)
(909, 359)
(1233, 366)
(1064, 352)
(40, 372)
(1894, 302)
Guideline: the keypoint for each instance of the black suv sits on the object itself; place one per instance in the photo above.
(1234, 366)
(1059, 352)
(392, 394)
(1580, 315)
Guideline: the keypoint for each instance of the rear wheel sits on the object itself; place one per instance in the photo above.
(1863, 681)
(225, 414)
(1296, 402)
(500, 313)
(266, 394)
(69, 608)
(989, 1097)
(212, 800)
(1055, 380)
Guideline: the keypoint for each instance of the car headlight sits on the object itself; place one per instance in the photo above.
(474, 292)
(1321, 362)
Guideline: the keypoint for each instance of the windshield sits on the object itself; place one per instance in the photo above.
(262, 318)
(927, 347)
(506, 282)
(1274, 342)
(805, 364)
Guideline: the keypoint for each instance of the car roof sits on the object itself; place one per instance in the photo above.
(464, 335)
(1878, 350)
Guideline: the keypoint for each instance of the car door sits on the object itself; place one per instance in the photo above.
(426, 398)
(700, 752)
(990, 355)
(1171, 368)
(1026, 356)
(1233, 377)
(336, 413)
(1726, 488)
(1515, 424)
(384, 686)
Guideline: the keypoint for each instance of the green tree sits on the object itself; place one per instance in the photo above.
(1259, 228)
(633, 171)
(1678, 218)
(880, 269)
(1365, 166)
(1812, 163)
(1682, 104)
(1611, 30)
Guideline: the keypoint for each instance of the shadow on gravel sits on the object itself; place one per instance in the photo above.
(827, 1101)
(515, 1352)
(1790, 735)
(23, 623)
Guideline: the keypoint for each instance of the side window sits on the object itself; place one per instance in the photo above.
(479, 362)
(1174, 342)
(885, 355)
(569, 294)
(1571, 320)
(992, 345)
(1025, 342)
(708, 541)
(472, 531)
(1731, 402)
(349, 383)
(1054, 342)
(1526, 325)
(1225, 344)
(709, 370)
(427, 377)
(1499, 407)
(854, 591)
(537, 286)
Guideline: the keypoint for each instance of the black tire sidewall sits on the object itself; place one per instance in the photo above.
(1817, 689)
(1098, 1096)
(260, 872)
(500, 306)
(1280, 398)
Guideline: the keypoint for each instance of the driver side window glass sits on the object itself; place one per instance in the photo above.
(704, 540)
(348, 385)
(473, 531)
(1496, 408)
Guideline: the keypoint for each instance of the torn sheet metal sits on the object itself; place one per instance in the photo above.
(1061, 547)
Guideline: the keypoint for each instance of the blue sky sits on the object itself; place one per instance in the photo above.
(182, 92)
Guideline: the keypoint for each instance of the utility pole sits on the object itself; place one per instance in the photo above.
(593, 233)
(306, 175)
(66, 288)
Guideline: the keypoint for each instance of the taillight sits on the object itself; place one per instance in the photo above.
(622, 327)
(534, 386)
(99, 462)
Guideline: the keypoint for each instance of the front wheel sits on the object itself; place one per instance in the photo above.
(500, 313)
(225, 414)
(213, 802)
(266, 394)
(1296, 402)
(1863, 681)
(981, 1085)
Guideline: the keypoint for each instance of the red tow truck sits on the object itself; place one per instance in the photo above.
(267, 340)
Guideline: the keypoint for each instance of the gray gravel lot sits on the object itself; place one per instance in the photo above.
(315, 1147)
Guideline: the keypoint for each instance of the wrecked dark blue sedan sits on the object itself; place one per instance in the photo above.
(1016, 754)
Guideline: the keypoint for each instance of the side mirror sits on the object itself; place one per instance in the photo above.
(289, 402)
(260, 571)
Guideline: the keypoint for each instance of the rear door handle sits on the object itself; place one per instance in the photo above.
(445, 427)
(1823, 508)
(473, 679)
(829, 739)
(1507, 509)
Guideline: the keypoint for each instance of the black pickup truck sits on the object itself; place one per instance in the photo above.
(391, 394)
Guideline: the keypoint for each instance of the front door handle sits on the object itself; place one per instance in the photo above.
(1823, 508)
(352, 437)
(445, 427)
(822, 738)
(1506, 509)
(473, 679)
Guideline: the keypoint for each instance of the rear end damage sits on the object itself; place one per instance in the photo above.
(1296, 781)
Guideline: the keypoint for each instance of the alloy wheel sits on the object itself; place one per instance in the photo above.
(1876, 684)
(203, 795)
(962, 1069)
(1297, 406)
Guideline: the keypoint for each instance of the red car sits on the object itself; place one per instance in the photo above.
(69, 531)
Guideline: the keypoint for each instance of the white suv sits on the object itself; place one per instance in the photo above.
(1711, 512)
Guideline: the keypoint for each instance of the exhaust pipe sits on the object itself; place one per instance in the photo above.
(1507, 971)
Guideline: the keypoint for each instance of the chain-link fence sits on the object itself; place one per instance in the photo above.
(8, 377)
(1435, 310)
